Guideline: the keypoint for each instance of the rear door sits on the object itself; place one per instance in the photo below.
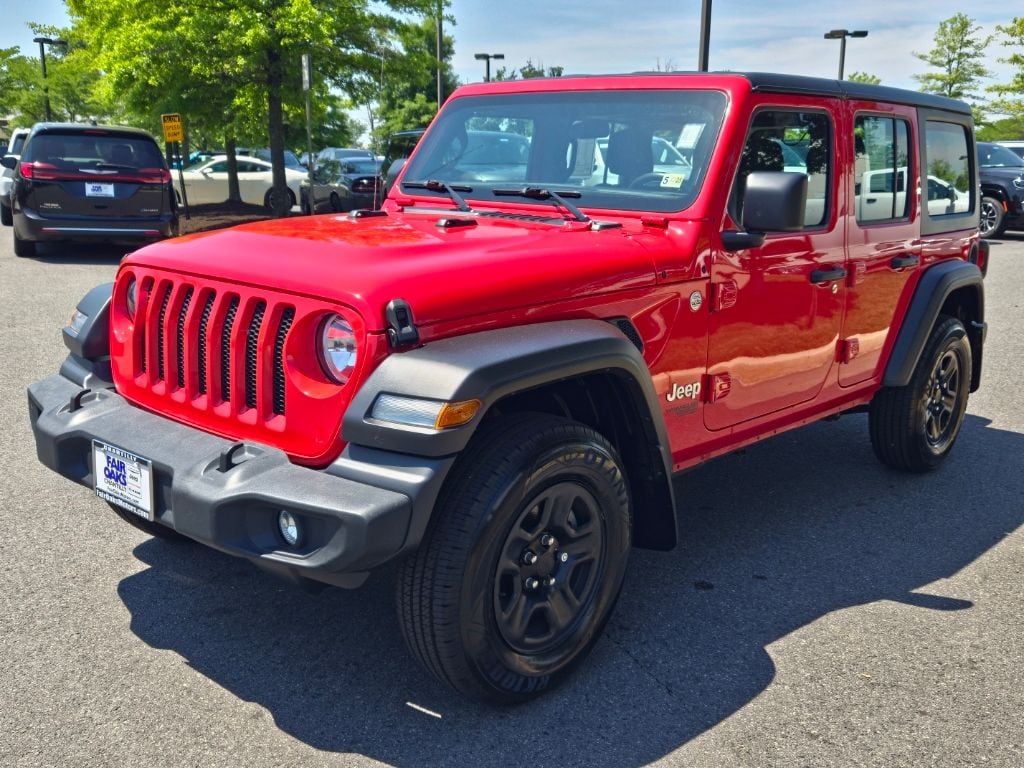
(95, 172)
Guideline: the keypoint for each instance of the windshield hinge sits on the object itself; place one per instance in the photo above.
(402, 330)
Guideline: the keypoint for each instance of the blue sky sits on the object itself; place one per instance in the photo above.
(595, 36)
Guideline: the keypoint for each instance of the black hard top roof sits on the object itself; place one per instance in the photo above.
(769, 82)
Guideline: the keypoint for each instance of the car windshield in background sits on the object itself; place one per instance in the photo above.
(361, 167)
(626, 150)
(998, 156)
(78, 150)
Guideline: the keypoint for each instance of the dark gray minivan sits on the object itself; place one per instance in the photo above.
(89, 183)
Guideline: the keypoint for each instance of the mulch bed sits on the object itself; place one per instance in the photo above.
(218, 215)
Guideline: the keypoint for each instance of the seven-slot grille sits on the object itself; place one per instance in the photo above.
(218, 342)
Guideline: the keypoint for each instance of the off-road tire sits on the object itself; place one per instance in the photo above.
(153, 529)
(991, 222)
(914, 427)
(26, 249)
(466, 611)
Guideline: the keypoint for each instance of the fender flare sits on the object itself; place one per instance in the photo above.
(937, 283)
(490, 365)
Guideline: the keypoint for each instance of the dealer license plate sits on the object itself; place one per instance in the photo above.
(123, 478)
(94, 189)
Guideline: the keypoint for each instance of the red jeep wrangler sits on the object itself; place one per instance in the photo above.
(577, 287)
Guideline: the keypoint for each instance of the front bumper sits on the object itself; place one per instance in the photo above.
(355, 514)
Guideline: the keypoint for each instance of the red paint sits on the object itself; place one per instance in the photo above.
(763, 347)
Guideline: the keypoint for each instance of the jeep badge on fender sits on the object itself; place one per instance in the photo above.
(576, 288)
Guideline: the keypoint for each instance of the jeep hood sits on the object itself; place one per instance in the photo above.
(444, 274)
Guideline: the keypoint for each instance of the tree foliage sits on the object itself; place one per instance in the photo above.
(1010, 96)
(958, 54)
(233, 69)
(527, 71)
(864, 77)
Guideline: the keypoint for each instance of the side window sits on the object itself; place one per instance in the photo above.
(949, 171)
(221, 167)
(795, 142)
(881, 168)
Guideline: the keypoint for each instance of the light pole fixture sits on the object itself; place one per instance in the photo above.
(43, 42)
(487, 58)
(841, 35)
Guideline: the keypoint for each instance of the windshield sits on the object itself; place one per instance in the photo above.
(997, 156)
(629, 150)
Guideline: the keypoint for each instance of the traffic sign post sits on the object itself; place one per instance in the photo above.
(174, 134)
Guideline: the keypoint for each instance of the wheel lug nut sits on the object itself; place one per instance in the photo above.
(564, 557)
(532, 583)
(550, 581)
(547, 540)
(529, 557)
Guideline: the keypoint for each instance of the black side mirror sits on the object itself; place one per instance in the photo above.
(9, 161)
(774, 201)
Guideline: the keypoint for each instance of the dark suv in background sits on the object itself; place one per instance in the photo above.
(1002, 189)
(84, 183)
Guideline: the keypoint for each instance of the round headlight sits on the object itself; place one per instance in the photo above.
(131, 296)
(337, 348)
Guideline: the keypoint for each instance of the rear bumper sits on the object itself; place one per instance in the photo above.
(30, 225)
(354, 515)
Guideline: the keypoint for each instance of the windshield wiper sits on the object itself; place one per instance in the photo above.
(536, 193)
(452, 191)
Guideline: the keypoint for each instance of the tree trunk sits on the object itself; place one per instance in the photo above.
(234, 192)
(280, 200)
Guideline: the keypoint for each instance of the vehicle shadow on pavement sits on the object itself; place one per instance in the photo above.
(74, 253)
(773, 538)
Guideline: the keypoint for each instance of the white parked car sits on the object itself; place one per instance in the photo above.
(207, 181)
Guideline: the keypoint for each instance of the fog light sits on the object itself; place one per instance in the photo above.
(289, 528)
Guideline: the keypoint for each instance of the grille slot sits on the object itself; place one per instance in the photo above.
(282, 335)
(204, 322)
(160, 335)
(182, 314)
(252, 353)
(225, 350)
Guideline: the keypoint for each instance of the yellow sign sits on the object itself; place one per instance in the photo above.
(174, 130)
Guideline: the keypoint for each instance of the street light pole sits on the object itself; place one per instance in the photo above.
(841, 35)
(43, 42)
(486, 57)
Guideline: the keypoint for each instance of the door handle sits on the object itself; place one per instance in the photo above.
(902, 262)
(827, 275)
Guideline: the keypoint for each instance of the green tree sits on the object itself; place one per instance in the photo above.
(236, 66)
(1010, 96)
(958, 54)
(864, 77)
(401, 94)
(527, 71)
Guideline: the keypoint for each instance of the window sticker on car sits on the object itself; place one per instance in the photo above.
(673, 180)
(93, 189)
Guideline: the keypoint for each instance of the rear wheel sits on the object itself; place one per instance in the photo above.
(914, 427)
(23, 248)
(268, 200)
(523, 561)
(991, 217)
(153, 529)
(335, 202)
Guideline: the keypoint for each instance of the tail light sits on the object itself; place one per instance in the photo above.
(38, 171)
(154, 176)
(364, 185)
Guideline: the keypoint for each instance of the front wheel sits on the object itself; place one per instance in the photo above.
(914, 427)
(523, 561)
(991, 218)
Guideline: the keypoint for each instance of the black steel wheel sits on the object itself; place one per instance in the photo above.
(523, 561)
(914, 427)
(991, 215)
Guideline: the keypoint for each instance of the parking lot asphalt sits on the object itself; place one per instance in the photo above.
(821, 610)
